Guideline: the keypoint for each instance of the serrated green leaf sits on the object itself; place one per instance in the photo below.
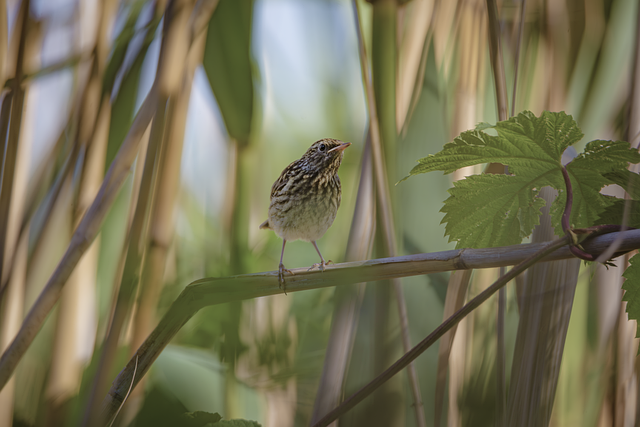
(491, 211)
(524, 141)
(227, 62)
(484, 126)
(609, 155)
(602, 163)
(200, 418)
(236, 423)
(507, 209)
(614, 213)
(588, 203)
(631, 286)
(626, 179)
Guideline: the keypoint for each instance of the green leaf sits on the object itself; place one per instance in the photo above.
(613, 214)
(236, 423)
(227, 62)
(602, 163)
(485, 211)
(631, 286)
(507, 209)
(484, 125)
(200, 418)
(524, 141)
(628, 180)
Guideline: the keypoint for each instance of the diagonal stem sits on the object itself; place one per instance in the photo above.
(438, 332)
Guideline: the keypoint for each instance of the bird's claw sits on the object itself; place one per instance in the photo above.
(320, 265)
(281, 271)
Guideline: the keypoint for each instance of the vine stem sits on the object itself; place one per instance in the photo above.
(439, 331)
(566, 225)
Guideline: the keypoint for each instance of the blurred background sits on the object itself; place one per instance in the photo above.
(242, 88)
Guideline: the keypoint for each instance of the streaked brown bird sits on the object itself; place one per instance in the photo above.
(306, 197)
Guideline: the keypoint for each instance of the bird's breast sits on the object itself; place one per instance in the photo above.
(305, 207)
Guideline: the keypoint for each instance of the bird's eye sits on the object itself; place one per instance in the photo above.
(322, 147)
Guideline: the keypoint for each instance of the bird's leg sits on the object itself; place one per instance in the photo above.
(321, 265)
(282, 270)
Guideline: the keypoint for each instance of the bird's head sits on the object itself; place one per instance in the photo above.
(325, 154)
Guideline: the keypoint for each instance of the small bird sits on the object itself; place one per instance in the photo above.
(306, 197)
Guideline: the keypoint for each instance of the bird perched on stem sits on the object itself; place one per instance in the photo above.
(306, 197)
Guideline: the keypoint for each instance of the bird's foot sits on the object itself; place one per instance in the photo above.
(281, 271)
(320, 265)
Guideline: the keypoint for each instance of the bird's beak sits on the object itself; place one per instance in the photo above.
(340, 147)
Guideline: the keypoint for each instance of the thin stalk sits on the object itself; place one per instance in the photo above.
(16, 101)
(13, 249)
(90, 117)
(48, 203)
(382, 186)
(213, 291)
(633, 125)
(8, 162)
(501, 363)
(4, 41)
(497, 65)
(384, 61)
(439, 331)
(84, 234)
(566, 214)
(454, 300)
(170, 67)
(422, 67)
(134, 257)
(501, 395)
(200, 17)
(162, 226)
(44, 203)
(12, 313)
(470, 51)
(69, 62)
(516, 65)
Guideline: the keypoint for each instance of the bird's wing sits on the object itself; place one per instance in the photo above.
(288, 173)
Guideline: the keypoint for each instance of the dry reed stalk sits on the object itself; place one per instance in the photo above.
(76, 323)
(162, 226)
